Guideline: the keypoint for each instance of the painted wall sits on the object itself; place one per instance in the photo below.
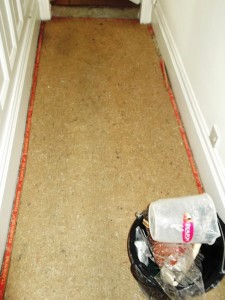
(198, 30)
(191, 36)
(19, 28)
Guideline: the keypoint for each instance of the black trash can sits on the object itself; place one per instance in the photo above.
(212, 265)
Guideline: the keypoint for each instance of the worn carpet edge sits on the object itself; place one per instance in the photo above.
(181, 128)
(15, 210)
(178, 118)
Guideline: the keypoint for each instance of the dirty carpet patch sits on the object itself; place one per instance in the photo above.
(104, 143)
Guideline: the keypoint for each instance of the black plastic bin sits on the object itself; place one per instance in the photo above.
(212, 265)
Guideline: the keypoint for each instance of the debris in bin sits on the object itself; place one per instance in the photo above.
(174, 260)
(163, 251)
(169, 236)
(190, 283)
(142, 245)
(145, 223)
(180, 256)
(170, 278)
(177, 269)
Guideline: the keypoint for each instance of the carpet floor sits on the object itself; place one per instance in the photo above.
(104, 144)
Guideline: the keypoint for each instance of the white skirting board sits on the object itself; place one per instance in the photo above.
(207, 161)
(13, 132)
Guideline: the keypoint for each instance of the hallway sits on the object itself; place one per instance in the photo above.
(104, 144)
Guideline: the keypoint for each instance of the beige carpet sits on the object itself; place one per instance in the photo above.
(104, 143)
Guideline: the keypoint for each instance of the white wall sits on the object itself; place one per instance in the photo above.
(19, 28)
(191, 37)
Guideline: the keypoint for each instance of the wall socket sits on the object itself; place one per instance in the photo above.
(213, 136)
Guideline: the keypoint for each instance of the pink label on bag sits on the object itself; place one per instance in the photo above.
(188, 228)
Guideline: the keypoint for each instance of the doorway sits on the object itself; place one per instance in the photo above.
(110, 3)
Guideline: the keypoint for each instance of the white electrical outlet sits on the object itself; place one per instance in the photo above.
(213, 136)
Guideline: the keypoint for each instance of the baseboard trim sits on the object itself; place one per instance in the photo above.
(210, 168)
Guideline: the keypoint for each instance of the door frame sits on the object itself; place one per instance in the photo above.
(145, 15)
(45, 9)
(146, 11)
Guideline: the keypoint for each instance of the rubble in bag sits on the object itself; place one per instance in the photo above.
(142, 245)
(174, 260)
(189, 283)
(162, 251)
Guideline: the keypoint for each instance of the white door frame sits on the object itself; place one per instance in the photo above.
(146, 11)
(45, 9)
